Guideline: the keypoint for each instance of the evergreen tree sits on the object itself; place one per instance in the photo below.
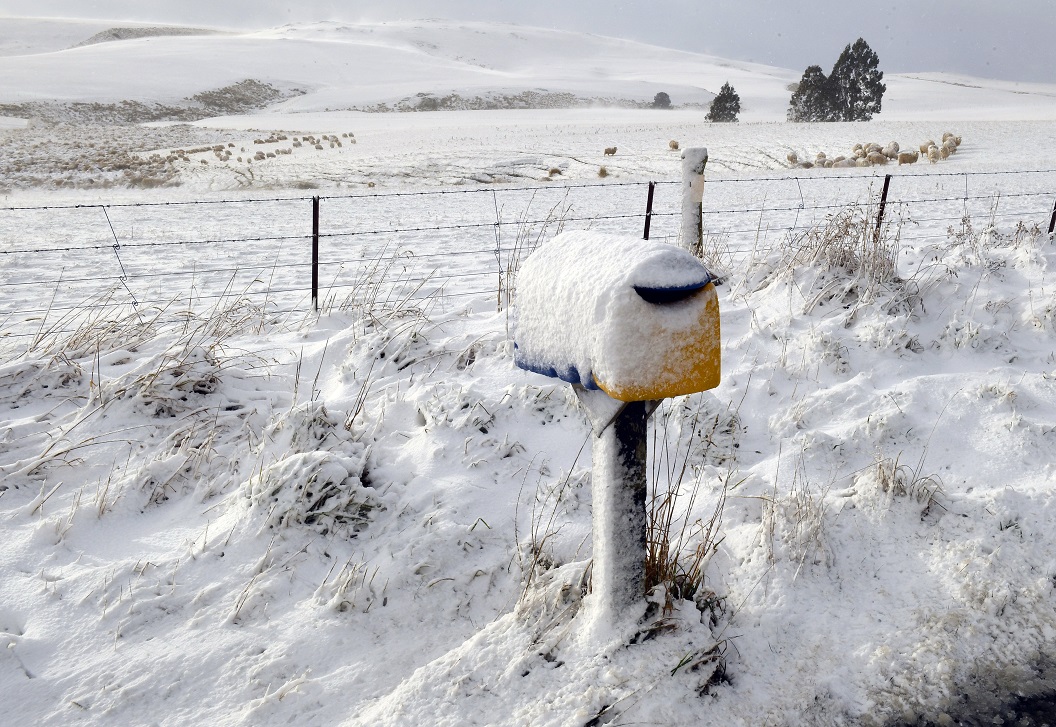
(725, 106)
(812, 99)
(856, 83)
(661, 101)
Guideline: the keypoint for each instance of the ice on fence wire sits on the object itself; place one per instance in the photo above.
(638, 319)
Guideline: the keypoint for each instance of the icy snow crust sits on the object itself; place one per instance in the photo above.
(581, 319)
(253, 519)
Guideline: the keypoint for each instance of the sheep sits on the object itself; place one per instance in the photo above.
(843, 163)
(933, 154)
(891, 150)
(672, 145)
(908, 157)
(871, 147)
(862, 162)
(949, 145)
(839, 158)
(925, 146)
(876, 158)
(944, 152)
(792, 158)
(858, 152)
(610, 151)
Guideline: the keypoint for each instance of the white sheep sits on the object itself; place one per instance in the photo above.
(933, 154)
(792, 158)
(925, 146)
(844, 163)
(891, 150)
(862, 162)
(876, 158)
(908, 157)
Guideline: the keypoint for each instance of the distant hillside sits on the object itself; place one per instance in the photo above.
(148, 31)
(426, 65)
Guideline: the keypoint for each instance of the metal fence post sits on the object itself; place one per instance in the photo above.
(649, 209)
(315, 254)
(880, 214)
(1052, 220)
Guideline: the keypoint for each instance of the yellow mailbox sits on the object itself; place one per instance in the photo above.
(635, 318)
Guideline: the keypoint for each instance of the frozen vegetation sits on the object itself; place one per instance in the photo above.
(244, 513)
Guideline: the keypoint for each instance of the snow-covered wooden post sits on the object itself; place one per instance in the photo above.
(626, 322)
(693, 162)
(618, 502)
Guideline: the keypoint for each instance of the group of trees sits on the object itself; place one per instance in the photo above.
(853, 91)
(724, 107)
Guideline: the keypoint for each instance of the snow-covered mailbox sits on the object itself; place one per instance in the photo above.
(625, 321)
(636, 319)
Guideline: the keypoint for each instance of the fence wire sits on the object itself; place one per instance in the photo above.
(60, 261)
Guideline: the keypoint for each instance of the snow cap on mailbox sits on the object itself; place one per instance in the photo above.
(637, 319)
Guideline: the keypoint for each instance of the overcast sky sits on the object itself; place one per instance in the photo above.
(1008, 39)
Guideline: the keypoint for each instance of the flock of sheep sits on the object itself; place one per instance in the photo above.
(871, 154)
(224, 153)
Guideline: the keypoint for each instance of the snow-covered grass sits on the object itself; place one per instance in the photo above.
(229, 510)
(333, 520)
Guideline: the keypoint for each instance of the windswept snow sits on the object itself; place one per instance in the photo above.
(244, 513)
(432, 63)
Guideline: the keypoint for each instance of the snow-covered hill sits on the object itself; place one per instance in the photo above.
(431, 64)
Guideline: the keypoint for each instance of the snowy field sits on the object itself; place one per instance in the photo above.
(221, 508)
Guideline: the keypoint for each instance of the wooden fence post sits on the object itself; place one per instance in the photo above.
(693, 162)
(1052, 220)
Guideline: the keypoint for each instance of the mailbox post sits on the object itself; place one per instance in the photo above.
(626, 322)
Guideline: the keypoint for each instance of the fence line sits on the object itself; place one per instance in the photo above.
(492, 189)
(429, 240)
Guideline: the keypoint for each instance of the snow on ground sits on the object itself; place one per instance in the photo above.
(429, 63)
(244, 513)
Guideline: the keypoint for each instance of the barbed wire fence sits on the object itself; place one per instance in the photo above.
(302, 254)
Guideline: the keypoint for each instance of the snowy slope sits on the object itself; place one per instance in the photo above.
(365, 65)
(235, 514)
